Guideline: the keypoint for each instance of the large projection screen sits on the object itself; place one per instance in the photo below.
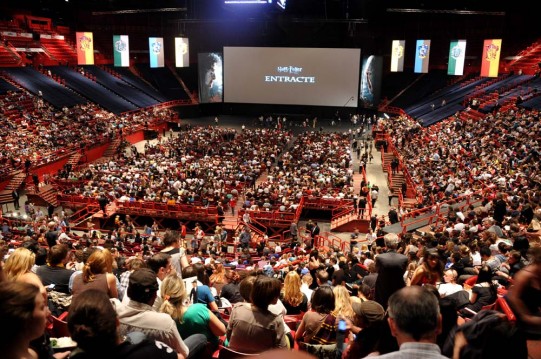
(292, 76)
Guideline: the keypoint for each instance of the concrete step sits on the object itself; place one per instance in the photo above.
(5, 197)
(16, 181)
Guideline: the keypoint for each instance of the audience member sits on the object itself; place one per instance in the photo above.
(430, 271)
(390, 267)
(138, 315)
(93, 324)
(254, 320)
(319, 325)
(524, 296)
(192, 319)
(18, 267)
(97, 274)
(54, 273)
(293, 299)
(367, 330)
(23, 314)
(415, 321)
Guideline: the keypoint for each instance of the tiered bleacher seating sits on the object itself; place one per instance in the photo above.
(489, 96)
(424, 85)
(430, 109)
(60, 50)
(8, 57)
(93, 91)
(163, 80)
(139, 83)
(53, 92)
(121, 88)
(6, 86)
(527, 60)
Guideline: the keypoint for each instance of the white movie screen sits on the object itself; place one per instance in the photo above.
(292, 76)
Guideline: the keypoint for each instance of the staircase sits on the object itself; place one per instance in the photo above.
(9, 58)
(74, 159)
(45, 196)
(395, 181)
(112, 149)
(60, 50)
(14, 183)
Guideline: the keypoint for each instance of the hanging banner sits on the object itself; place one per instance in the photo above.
(182, 52)
(85, 48)
(422, 55)
(371, 74)
(457, 55)
(490, 61)
(155, 50)
(397, 55)
(121, 50)
(211, 78)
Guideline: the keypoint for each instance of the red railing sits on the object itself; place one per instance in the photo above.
(437, 215)
(330, 240)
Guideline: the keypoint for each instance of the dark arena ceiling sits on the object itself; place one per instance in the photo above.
(368, 24)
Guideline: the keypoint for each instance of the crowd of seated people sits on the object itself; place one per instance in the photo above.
(199, 166)
(459, 156)
(194, 325)
(35, 131)
(489, 242)
(317, 164)
(191, 169)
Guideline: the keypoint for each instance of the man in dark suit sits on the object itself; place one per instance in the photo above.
(362, 205)
(393, 215)
(390, 267)
(315, 230)
(15, 196)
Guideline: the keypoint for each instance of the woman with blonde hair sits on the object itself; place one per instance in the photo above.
(193, 319)
(97, 274)
(342, 303)
(18, 268)
(294, 300)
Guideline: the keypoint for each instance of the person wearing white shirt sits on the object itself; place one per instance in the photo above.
(306, 282)
(450, 286)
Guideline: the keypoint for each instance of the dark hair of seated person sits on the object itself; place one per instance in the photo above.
(246, 286)
(266, 291)
(448, 313)
(18, 302)
(323, 299)
(92, 323)
(57, 254)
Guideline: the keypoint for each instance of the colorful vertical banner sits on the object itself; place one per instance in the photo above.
(182, 52)
(491, 57)
(397, 55)
(457, 55)
(422, 56)
(85, 48)
(155, 50)
(121, 50)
